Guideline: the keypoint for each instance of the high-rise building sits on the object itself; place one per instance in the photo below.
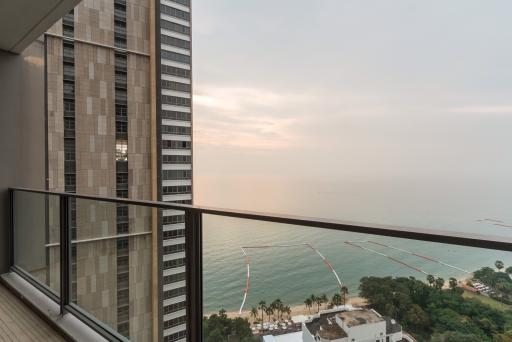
(175, 84)
(119, 124)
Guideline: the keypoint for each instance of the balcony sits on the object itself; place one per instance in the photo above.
(348, 267)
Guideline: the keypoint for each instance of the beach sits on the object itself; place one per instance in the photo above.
(296, 310)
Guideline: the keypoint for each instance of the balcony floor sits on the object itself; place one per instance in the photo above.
(19, 323)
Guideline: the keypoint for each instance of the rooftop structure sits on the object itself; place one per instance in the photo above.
(351, 326)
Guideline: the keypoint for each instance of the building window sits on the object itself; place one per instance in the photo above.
(180, 43)
(175, 115)
(173, 234)
(173, 278)
(171, 85)
(174, 248)
(175, 130)
(175, 293)
(176, 159)
(167, 25)
(174, 307)
(175, 71)
(176, 57)
(175, 337)
(176, 174)
(121, 130)
(173, 219)
(176, 144)
(180, 189)
(121, 150)
(174, 263)
(174, 322)
(174, 12)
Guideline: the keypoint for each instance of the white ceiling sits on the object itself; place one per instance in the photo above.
(22, 21)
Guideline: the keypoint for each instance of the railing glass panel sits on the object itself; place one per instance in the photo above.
(36, 234)
(264, 278)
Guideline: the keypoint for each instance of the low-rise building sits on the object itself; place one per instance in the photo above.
(351, 326)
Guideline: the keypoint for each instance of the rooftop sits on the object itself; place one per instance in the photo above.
(326, 327)
(360, 317)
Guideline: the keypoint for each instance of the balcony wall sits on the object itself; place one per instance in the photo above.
(22, 136)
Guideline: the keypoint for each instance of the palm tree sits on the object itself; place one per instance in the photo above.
(269, 311)
(253, 313)
(336, 299)
(509, 270)
(431, 279)
(318, 301)
(344, 292)
(262, 306)
(499, 264)
(288, 310)
(324, 298)
(453, 283)
(439, 283)
(309, 304)
(277, 305)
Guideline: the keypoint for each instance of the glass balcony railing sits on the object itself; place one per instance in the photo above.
(192, 273)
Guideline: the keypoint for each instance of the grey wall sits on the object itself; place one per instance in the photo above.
(22, 129)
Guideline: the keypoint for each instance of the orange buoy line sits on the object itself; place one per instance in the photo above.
(420, 256)
(248, 267)
(353, 243)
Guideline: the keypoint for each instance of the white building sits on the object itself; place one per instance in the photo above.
(351, 326)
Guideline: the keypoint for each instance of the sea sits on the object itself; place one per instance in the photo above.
(294, 273)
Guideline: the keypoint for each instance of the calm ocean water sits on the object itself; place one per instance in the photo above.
(292, 274)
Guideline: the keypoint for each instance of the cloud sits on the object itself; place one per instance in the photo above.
(246, 117)
(507, 109)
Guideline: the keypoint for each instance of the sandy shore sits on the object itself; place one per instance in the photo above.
(296, 309)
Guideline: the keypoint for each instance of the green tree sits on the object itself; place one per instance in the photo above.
(269, 311)
(455, 336)
(439, 283)
(218, 327)
(499, 264)
(318, 302)
(324, 298)
(309, 303)
(344, 292)
(254, 313)
(336, 299)
(431, 279)
(288, 310)
(509, 270)
(416, 318)
(262, 306)
(453, 283)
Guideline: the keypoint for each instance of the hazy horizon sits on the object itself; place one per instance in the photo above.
(349, 91)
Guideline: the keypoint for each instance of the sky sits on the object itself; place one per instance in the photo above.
(349, 91)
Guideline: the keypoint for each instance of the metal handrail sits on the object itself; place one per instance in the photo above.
(193, 247)
(430, 235)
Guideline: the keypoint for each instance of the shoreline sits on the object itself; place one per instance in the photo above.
(296, 310)
(300, 309)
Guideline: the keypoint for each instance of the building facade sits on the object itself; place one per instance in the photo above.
(119, 124)
(176, 155)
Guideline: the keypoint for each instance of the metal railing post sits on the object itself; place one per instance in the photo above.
(11, 228)
(194, 274)
(65, 253)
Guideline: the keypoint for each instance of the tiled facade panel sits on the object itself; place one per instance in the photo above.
(139, 127)
(55, 114)
(97, 279)
(140, 286)
(137, 25)
(95, 120)
(94, 21)
(56, 28)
